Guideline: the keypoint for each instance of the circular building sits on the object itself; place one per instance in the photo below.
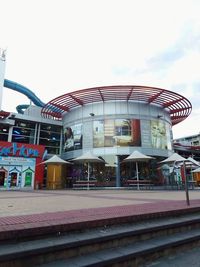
(114, 121)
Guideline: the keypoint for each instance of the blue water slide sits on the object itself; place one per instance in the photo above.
(22, 89)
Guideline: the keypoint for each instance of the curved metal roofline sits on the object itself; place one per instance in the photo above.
(178, 106)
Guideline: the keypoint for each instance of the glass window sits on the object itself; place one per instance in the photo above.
(25, 124)
(49, 142)
(22, 139)
(22, 135)
(119, 132)
(52, 150)
(51, 128)
(4, 129)
(4, 132)
(50, 136)
(3, 137)
(98, 133)
(73, 137)
(158, 134)
(23, 132)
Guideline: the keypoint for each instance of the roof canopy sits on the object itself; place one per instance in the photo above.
(178, 106)
(55, 160)
(137, 156)
(88, 157)
(174, 158)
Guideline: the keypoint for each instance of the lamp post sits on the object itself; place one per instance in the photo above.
(186, 184)
(118, 178)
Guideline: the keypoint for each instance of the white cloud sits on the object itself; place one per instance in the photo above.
(186, 69)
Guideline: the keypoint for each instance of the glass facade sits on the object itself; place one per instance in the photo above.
(36, 133)
(118, 132)
(112, 132)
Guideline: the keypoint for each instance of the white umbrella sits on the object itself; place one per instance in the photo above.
(197, 170)
(136, 157)
(193, 161)
(174, 158)
(55, 160)
(177, 158)
(88, 158)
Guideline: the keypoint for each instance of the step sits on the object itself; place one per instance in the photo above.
(23, 231)
(33, 252)
(137, 253)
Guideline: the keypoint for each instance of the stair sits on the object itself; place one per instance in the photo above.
(128, 244)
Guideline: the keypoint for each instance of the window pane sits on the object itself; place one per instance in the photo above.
(3, 137)
(52, 128)
(22, 139)
(25, 124)
(4, 129)
(49, 142)
(52, 150)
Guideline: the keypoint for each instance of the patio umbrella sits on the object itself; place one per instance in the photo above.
(88, 158)
(174, 158)
(55, 160)
(197, 170)
(193, 162)
(136, 157)
(177, 158)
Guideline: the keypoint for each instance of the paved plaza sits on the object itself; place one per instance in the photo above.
(15, 203)
(20, 209)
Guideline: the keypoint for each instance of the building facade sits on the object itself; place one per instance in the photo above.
(25, 140)
(114, 121)
(110, 121)
(188, 146)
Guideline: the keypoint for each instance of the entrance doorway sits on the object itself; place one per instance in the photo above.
(13, 181)
(2, 178)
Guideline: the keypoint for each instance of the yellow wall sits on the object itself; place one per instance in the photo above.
(55, 176)
(196, 176)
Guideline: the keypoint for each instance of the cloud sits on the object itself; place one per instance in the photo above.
(172, 64)
(77, 44)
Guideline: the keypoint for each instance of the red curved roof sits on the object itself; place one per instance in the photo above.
(178, 106)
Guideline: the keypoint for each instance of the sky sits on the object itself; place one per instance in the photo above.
(57, 46)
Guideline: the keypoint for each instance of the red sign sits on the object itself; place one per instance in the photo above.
(26, 151)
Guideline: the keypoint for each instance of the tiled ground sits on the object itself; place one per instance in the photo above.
(31, 209)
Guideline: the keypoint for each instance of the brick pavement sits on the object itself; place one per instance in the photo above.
(39, 210)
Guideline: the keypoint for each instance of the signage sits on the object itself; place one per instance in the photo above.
(21, 150)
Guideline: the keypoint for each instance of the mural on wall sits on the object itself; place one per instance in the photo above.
(14, 172)
(118, 132)
(73, 137)
(158, 134)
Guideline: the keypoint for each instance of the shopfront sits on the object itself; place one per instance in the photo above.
(20, 165)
